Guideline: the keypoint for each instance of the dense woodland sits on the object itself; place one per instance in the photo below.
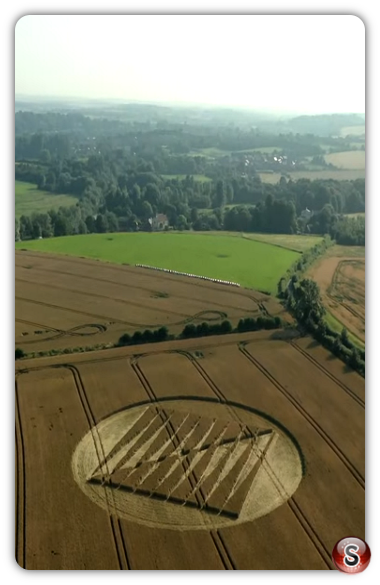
(117, 164)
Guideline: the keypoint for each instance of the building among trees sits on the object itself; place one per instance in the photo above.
(159, 222)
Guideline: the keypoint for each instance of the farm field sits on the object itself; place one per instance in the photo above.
(295, 242)
(64, 302)
(29, 199)
(338, 175)
(298, 243)
(352, 159)
(250, 263)
(196, 454)
(340, 274)
(214, 152)
(353, 130)
(358, 214)
(211, 152)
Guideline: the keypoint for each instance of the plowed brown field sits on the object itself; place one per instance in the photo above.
(234, 452)
(72, 302)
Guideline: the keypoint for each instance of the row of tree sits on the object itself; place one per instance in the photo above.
(147, 336)
(111, 177)
(190, 331)
(298, 268)
(303, 300)
(251, 324)
(201, 330)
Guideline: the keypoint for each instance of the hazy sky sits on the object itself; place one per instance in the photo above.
(282, 63)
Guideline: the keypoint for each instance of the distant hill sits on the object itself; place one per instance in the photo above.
(324, 124)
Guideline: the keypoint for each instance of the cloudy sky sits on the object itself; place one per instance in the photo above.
(305, 64)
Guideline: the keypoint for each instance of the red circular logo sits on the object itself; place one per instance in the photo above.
(351, 555)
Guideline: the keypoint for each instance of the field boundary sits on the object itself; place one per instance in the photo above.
(245, 236)
(21, 367)
(314, 317)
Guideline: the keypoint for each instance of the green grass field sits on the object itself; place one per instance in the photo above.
(291, 242)
(338, 175)
(201, 178)
(345, 251)
(297, 243)
(337, 326)
(28, 199)
(250, 263)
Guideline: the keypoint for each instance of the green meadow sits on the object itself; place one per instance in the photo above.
(28, 199)
(249, 262)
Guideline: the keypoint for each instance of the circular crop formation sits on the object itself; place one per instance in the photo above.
(187, 464)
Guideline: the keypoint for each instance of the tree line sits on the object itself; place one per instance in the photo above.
(150, 127)
(162, 334)
(117, 171)
(303, 300)
(137, 197)
(301, 296)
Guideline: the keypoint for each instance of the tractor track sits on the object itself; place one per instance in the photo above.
(189, 318)
(328, 374)
(132, 270)
(295, 508)
(351, 468)
(114, 521)
(222, 551)
(142, 288)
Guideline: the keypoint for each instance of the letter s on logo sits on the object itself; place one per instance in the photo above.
(350, 558)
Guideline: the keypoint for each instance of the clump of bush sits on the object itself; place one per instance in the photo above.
(299, 267)
(250, 324)
(19, 353)
(204, 329)
(304, 302)
(147, 336)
